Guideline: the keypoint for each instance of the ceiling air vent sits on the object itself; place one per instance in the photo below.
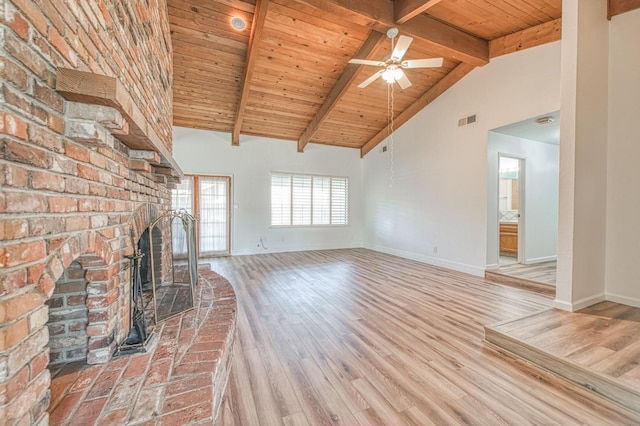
(467, 120)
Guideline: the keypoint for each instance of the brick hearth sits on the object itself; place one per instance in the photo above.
(180, 381)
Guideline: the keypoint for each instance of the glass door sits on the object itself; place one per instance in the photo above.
(213, 215)
(210, 204)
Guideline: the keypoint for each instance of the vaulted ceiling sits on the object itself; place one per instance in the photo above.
(287, 74)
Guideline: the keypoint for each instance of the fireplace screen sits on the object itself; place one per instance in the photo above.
(172, 241)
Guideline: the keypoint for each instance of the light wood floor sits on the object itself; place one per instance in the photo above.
(603, 339)
(544, 272)
(359, 337)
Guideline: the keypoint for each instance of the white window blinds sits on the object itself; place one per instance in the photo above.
(280, 200)
(305, 200)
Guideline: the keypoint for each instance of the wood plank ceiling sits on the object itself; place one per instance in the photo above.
(287, 75)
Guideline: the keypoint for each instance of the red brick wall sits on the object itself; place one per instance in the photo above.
(68, 316)
(60, 200)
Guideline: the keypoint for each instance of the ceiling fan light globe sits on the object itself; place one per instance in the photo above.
(397, 74)
(388, 75)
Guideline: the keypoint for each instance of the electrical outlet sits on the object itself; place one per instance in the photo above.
(435, 249)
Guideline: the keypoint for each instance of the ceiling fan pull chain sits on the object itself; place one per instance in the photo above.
(390, 114)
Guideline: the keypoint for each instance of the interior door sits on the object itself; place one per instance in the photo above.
(509, 209)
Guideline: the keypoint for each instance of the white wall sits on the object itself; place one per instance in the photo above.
(250, 166)
(583, 154)
(540, 212)
(623, 171)
(438, 197)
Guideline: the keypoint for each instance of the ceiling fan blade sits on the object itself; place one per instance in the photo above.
(401, 47)
(367, 62)
(422, 63)
(404, 82)
(371, 79)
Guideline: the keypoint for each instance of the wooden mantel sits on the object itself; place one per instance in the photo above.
(88, 88)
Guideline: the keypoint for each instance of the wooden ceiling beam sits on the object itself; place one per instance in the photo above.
(407, 9)
(616, 7)
(443, 39)
(257, 27)
(339, 89)
(429, 96)
(535, 36)
(447, 41)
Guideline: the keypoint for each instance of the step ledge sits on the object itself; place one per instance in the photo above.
(597, 383)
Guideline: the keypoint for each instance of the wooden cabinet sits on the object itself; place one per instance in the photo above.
(509, 239)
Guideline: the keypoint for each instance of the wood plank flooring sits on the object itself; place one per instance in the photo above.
(539, 277)
(598, 347)
(544, 272)
(496, 277)
(360, 337)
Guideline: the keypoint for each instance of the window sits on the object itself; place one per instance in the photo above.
(181, 200)
(305, 200)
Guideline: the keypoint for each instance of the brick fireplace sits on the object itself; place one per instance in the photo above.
(85, 166)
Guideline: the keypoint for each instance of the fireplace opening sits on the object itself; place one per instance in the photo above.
(173, 291)
(163, 277)
(175, 295)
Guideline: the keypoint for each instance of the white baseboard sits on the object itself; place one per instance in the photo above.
(625, 300)
(460, 267)
(540, 260)
(492, 266)
(578, 304)
(287, 249)
(560, 304)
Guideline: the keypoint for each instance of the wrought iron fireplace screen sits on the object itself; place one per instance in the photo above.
(173, 293)
(164, 275)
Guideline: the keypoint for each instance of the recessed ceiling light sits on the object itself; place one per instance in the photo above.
(238, 23)
(544, 120)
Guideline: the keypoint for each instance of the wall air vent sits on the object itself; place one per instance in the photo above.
(467, 120)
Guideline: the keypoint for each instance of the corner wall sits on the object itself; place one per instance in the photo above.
(250, 166)
(623, 172)
(435, 207)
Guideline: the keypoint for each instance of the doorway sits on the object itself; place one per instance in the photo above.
(208, 199)
(524, 202)
(510, 206)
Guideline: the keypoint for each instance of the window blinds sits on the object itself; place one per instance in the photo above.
(305, 200)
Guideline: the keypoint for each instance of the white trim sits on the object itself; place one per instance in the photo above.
(248, 252)
(492, 267)
(540, 259)
(460, 267)
(579, 304)
(560, 304)
(625, 300)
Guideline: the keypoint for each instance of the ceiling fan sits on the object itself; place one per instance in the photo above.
(393, 65)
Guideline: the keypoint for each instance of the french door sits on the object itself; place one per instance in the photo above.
(208, 199)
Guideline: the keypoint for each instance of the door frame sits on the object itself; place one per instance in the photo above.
(196, 209)
(521, 258)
